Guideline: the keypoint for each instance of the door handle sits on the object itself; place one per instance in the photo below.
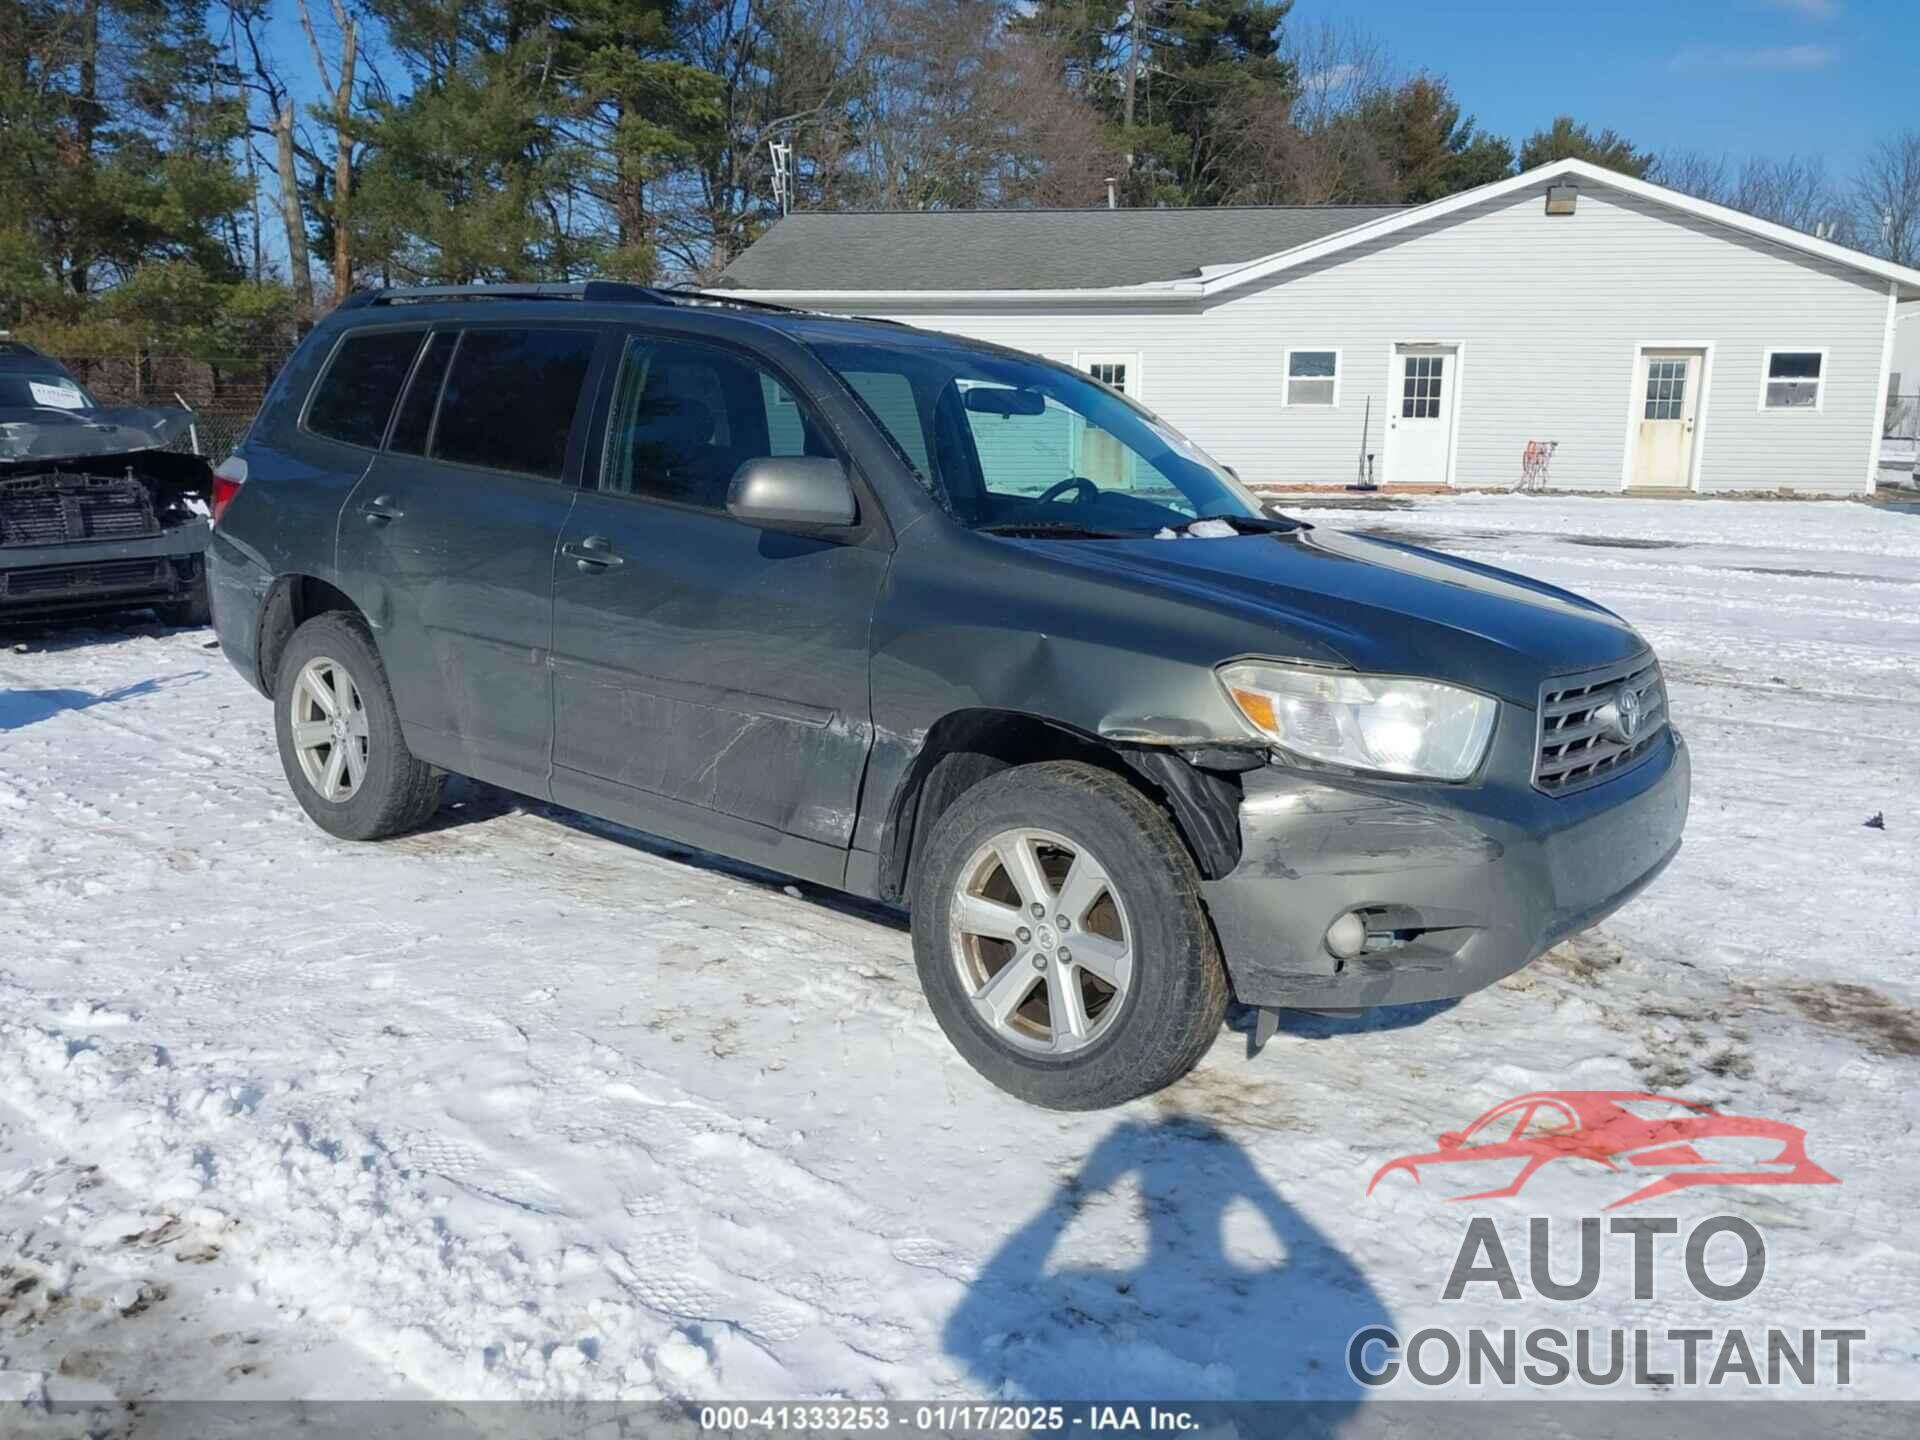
(380, 509)
(593, 553)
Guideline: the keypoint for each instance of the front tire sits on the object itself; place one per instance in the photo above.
(1120, 1000)
(339, 734)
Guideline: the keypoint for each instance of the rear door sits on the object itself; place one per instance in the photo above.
(448, 541)
(710, 676)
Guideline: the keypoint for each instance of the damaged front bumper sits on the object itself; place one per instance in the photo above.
(1457, 885)
(95, 574)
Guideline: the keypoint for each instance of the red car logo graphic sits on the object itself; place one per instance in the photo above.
(1627, 1132)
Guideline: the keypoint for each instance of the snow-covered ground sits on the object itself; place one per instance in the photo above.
(529, 1106)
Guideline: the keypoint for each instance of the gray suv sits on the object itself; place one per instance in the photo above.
(938, 624)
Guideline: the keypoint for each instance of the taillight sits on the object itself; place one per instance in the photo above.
(228, 477)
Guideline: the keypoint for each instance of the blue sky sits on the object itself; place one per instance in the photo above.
(1740, 77)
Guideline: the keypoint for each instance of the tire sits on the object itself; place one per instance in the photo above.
(1134, 1039)
(191, 612)
(393, 792)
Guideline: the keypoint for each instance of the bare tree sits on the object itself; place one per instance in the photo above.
(1791, 190)
(1794, 191)
(1887, 197)
(338, 87)
(1318, 150)
(249, 18)
(1693, 172)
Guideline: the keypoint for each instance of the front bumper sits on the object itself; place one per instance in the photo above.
(1460, 884)
(96, 574)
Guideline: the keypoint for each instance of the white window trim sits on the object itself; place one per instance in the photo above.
(1085, 360)
(1286, 374)
(1819, 387)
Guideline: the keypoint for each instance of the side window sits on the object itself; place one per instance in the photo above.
(510, 397)
(687, 416)
(889, 398)
(355, 396)
(415, 423)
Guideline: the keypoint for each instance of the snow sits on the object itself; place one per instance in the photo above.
(526, 1105)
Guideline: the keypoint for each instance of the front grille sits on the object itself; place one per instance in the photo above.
(52, 580)
(1580, 744)
(54, 509)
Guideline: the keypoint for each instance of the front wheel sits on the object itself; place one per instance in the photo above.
(1061, 941)
(339, 734)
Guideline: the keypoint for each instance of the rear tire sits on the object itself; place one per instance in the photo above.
(1136, 978)
(349, 765)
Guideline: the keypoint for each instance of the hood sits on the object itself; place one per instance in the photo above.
(1382, 606)
(47, 434)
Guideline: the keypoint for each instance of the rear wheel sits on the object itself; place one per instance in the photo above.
(1061, 941)
(339, 734)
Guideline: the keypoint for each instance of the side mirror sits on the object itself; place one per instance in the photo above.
(792, 492)
(1450, 1140)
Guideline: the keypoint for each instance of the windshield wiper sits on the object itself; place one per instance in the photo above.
(1055, 530)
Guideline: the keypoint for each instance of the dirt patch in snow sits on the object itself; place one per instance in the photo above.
(1880, 1024)
(1624, 542)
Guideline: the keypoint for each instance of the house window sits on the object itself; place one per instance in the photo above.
(1313, 377)
(1118, 370)
(1794, 380)
(1666, 389)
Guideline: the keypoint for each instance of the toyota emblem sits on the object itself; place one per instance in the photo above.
(1626, 713)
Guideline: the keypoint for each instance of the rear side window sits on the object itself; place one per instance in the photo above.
(355, 397)
(415, 424)
(510, 397)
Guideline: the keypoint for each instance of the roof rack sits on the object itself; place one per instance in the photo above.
(547, 290)
(588, 290)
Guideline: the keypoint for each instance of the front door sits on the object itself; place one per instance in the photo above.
(1420, 415)
(710, 677)
(1667, 401)
(449, 538)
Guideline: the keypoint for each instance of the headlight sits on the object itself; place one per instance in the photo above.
(1365, 722)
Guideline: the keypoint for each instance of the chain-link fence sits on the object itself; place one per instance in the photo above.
(223, 395)
(1900, 440)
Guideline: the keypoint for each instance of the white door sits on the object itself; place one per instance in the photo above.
(1420, 416)
(1667, 391)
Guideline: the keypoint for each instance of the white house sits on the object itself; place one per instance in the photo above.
(1653, 340)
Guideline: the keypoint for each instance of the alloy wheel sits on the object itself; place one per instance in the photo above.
(1041, 940)
(329, 727)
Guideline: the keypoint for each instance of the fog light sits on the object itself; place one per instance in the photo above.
(1347, 936)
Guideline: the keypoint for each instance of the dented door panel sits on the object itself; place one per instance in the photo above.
(715, 665)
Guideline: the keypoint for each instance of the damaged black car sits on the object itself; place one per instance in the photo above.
(101, 508)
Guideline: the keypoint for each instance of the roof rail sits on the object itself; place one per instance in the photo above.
(546, 290)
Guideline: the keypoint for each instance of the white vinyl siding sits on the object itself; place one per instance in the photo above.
(1554, 312)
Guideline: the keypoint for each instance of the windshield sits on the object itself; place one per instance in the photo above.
(42, 390)
(1016, 444)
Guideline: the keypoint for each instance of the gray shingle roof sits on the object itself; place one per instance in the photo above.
(1024, 249)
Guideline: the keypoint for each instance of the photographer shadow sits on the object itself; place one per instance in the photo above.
(1189, 1321)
